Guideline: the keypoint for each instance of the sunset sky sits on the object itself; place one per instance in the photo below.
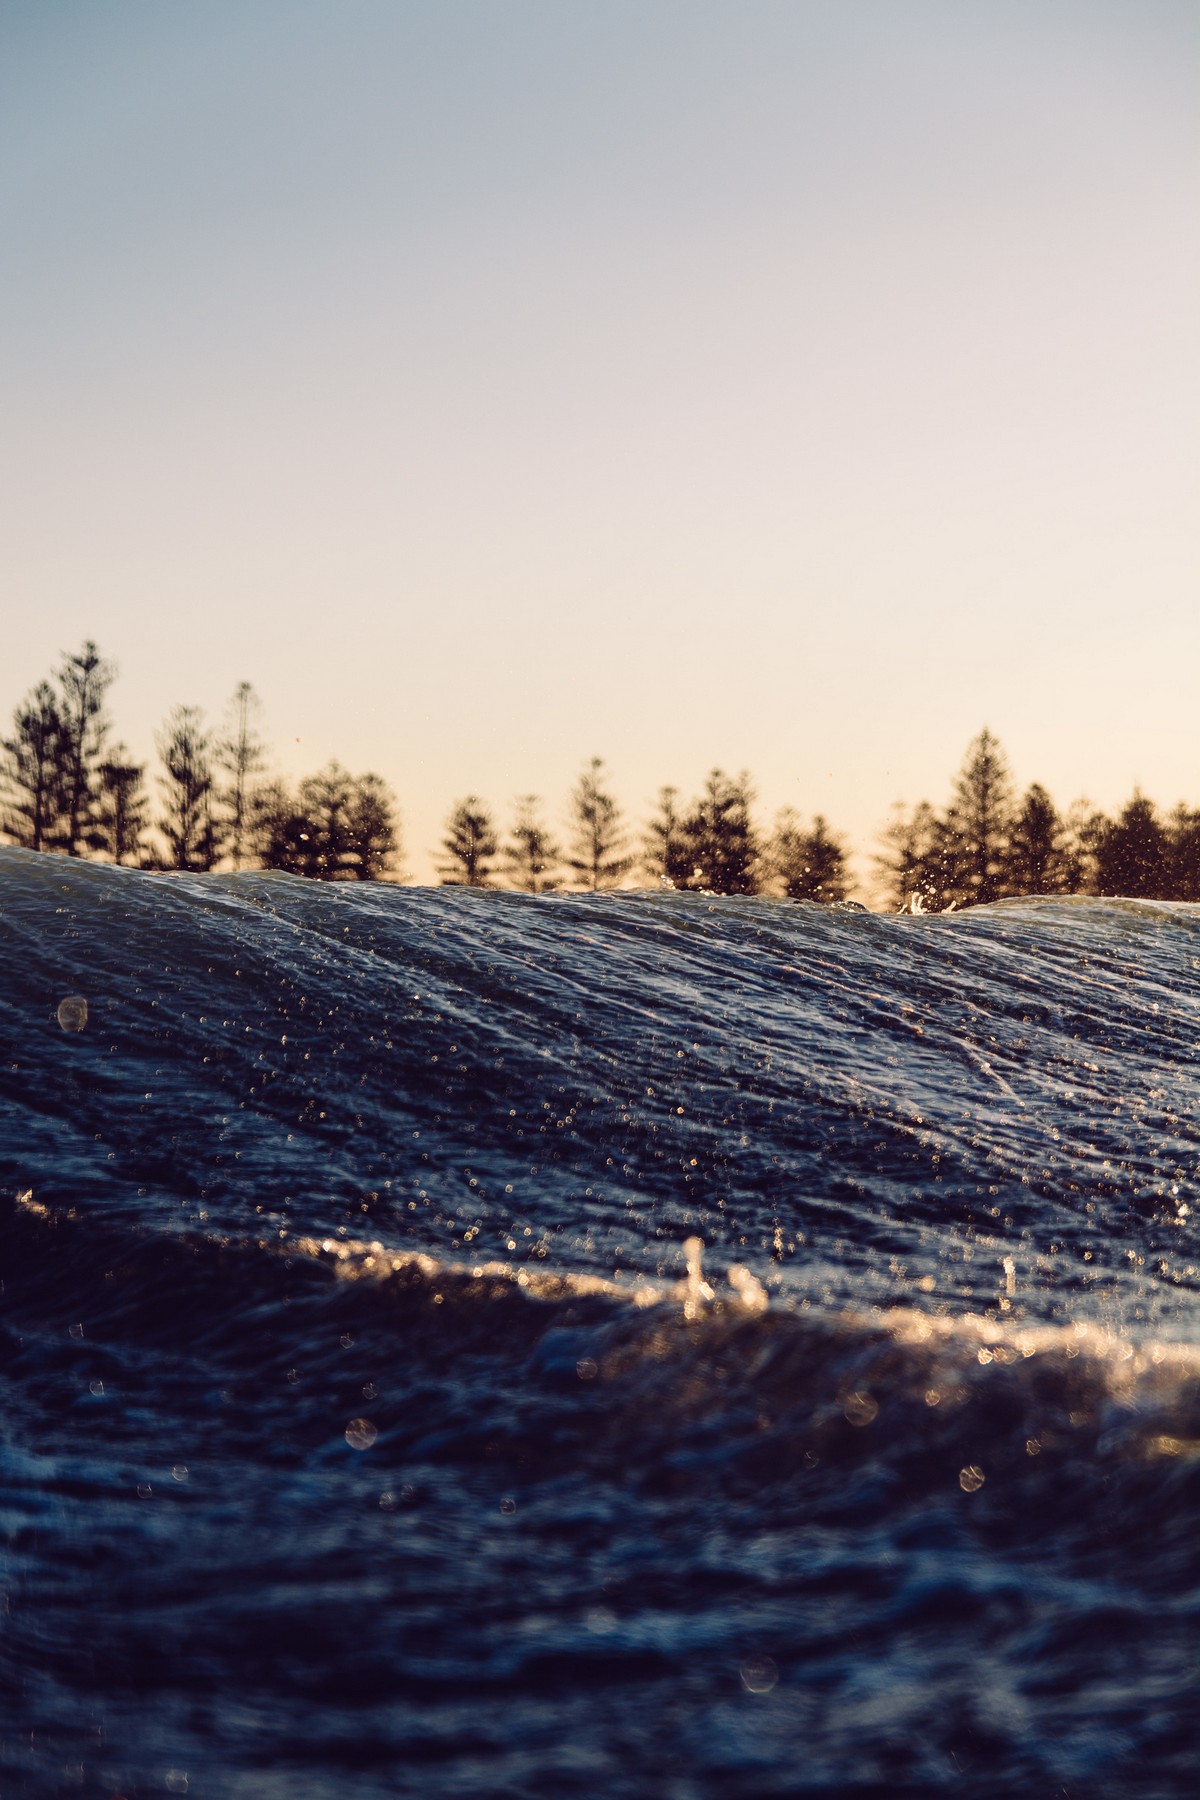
(498, 383)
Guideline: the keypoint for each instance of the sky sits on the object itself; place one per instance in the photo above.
(496, 384)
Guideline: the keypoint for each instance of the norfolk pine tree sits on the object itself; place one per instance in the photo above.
(664, 848)
(597, 837)
(32, 770)
(470, 843)
(242, 755)
(83, 681)
(531, 855)
(187, 820)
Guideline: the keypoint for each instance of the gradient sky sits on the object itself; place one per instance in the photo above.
(498, 383)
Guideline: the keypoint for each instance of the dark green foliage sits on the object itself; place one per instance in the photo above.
(913, 861)
(665, 850)
(242, 755)
(1134, 857)
(1183, 833)
(121, 817)
(470, 843)
(372, 838)
(187, 823)
(334, 828)
(808, 865)
(83, 679)
(1036, 862)
(32, 771)
(597, 837)
(531, 855)
(719, 839)
(976, 826)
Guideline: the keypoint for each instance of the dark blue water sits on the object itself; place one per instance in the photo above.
(467, 1344)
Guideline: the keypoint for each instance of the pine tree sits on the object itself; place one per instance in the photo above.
(977, 825)
(597, 838)
(372, 834)
(31, 770)
(664, 849)
(912, 865)
(1084, 830)
(83, 681)
(721, 843)
(121, 817)
(325, 801)
(470, 843)
(1133, 859)
(531, 855)
(242, 755)
(280, 833)
(809, 865)
(1183, 831)
(1035, 862)
(187, 820)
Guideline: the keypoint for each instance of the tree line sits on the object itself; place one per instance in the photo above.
(67, 786)
(989, 844)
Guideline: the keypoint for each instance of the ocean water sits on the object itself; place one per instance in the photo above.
(468, 1344)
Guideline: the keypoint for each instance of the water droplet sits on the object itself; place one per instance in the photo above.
(72, 1012)
(971, 1479)
(585, 1368)
(361, 1434)
(759, 1674)
(860, 1408)
(96, 1387)
(179, 1472)
(508, 1505)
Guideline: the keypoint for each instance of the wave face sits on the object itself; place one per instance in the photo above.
(465, 1343)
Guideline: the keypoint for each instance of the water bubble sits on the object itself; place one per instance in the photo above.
(144, 1490)
(388, 1502)
(179, 1472)
(72, 1012)
(971, 1479)
(585, 1368)
(860, 1408)
(508, 1506)
(361, 1434)
(96, 1386)
(759, 1674)
(175, 1781)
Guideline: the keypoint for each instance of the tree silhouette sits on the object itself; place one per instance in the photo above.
(720, 840)
(977, 824)
(664, 849)
(372, 835)
(470, 843)
(1035, 862)
(1084, 829)
(531, 855)
(121, 816)
(187, 822)
(912, 862)
(1134, 854)
(1183, 832)
(32, 770)
(597, 837)
(242, 754)
(83, 680)
(809, 865)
